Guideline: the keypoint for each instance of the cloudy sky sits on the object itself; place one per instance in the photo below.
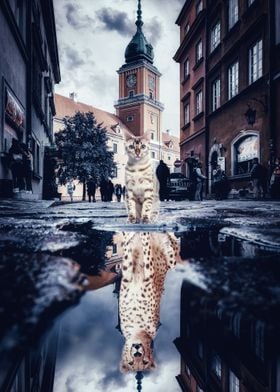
(92, 37)
(90, 346)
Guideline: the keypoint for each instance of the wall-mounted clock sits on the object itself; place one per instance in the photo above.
(131, 80)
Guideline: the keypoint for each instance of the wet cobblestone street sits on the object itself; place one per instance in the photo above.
(60, 283)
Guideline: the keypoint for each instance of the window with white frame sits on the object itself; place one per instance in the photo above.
(152, 136)
(115, 147)
(199, 7)
(186, 68)
(198, 51)
(255, 61)
(186, 113)
(216, 365)
(215, 36)
(153, 154)
(114, 249)
(216, 94)
(234, 385)
(198, 102)
(233, 79)
(232, 13)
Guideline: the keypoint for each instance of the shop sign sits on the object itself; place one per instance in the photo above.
(247, 149)
(14, 110)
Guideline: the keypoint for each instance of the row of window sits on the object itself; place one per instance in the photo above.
(215, 33)
(216, 368)
(233, 17)
(255, 71)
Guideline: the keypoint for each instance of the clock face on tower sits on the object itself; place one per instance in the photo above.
(131, 80)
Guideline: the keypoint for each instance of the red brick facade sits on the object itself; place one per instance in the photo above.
(239, 74)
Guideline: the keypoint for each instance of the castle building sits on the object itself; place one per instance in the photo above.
(138, 109)
(138, 105)
(29, 68)
(229, 60)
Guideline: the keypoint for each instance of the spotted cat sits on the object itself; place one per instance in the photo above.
(146, 259)
(141, 183)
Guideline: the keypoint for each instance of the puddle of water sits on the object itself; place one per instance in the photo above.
(216, 330)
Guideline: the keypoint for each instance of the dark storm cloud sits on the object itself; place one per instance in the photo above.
(153, 29)
(72, 58)
(114, 20)
(76, 19)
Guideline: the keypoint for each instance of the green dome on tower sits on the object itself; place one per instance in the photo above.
(139, 48)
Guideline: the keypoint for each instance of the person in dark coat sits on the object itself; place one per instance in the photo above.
(257, 177)
(118, 192)
(163, 174)
(16, 165)
(91, 189)
(103, 189)
(110, 190)
(27, 167)
(123, 192)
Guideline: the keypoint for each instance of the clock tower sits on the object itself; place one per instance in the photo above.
(138, 105)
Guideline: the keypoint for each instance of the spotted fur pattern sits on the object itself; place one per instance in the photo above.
(142, 185)
(147, 258)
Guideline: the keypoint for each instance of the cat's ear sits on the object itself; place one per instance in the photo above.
(147, 135)
(127, 135)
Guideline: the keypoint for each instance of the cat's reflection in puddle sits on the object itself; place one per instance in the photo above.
(146, 259)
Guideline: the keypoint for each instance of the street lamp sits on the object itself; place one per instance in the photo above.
(250, 115)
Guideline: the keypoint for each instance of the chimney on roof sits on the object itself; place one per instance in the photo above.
(73, 96)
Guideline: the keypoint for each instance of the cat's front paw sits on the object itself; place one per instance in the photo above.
(146, 219)
(131, 219)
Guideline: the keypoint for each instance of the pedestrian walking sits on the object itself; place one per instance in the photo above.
(123, 192)
(118, 192)
(217, 182)
(27, 167)
(110, 190)
(163, 175)
(70, 189)
(257, 177)
(91, 189)
(200, 178)
(16, 165)
(275, 181)
(103, 189)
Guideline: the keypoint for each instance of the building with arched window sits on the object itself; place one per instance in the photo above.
(230, 51)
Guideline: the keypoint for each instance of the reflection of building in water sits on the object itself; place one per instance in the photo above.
(222, 351)
(34, 370)
(215, 244)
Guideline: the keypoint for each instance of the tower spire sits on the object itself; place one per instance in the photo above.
(139, 22)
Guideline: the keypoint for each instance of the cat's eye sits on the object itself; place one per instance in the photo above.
(143, 146)
(131, 146)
